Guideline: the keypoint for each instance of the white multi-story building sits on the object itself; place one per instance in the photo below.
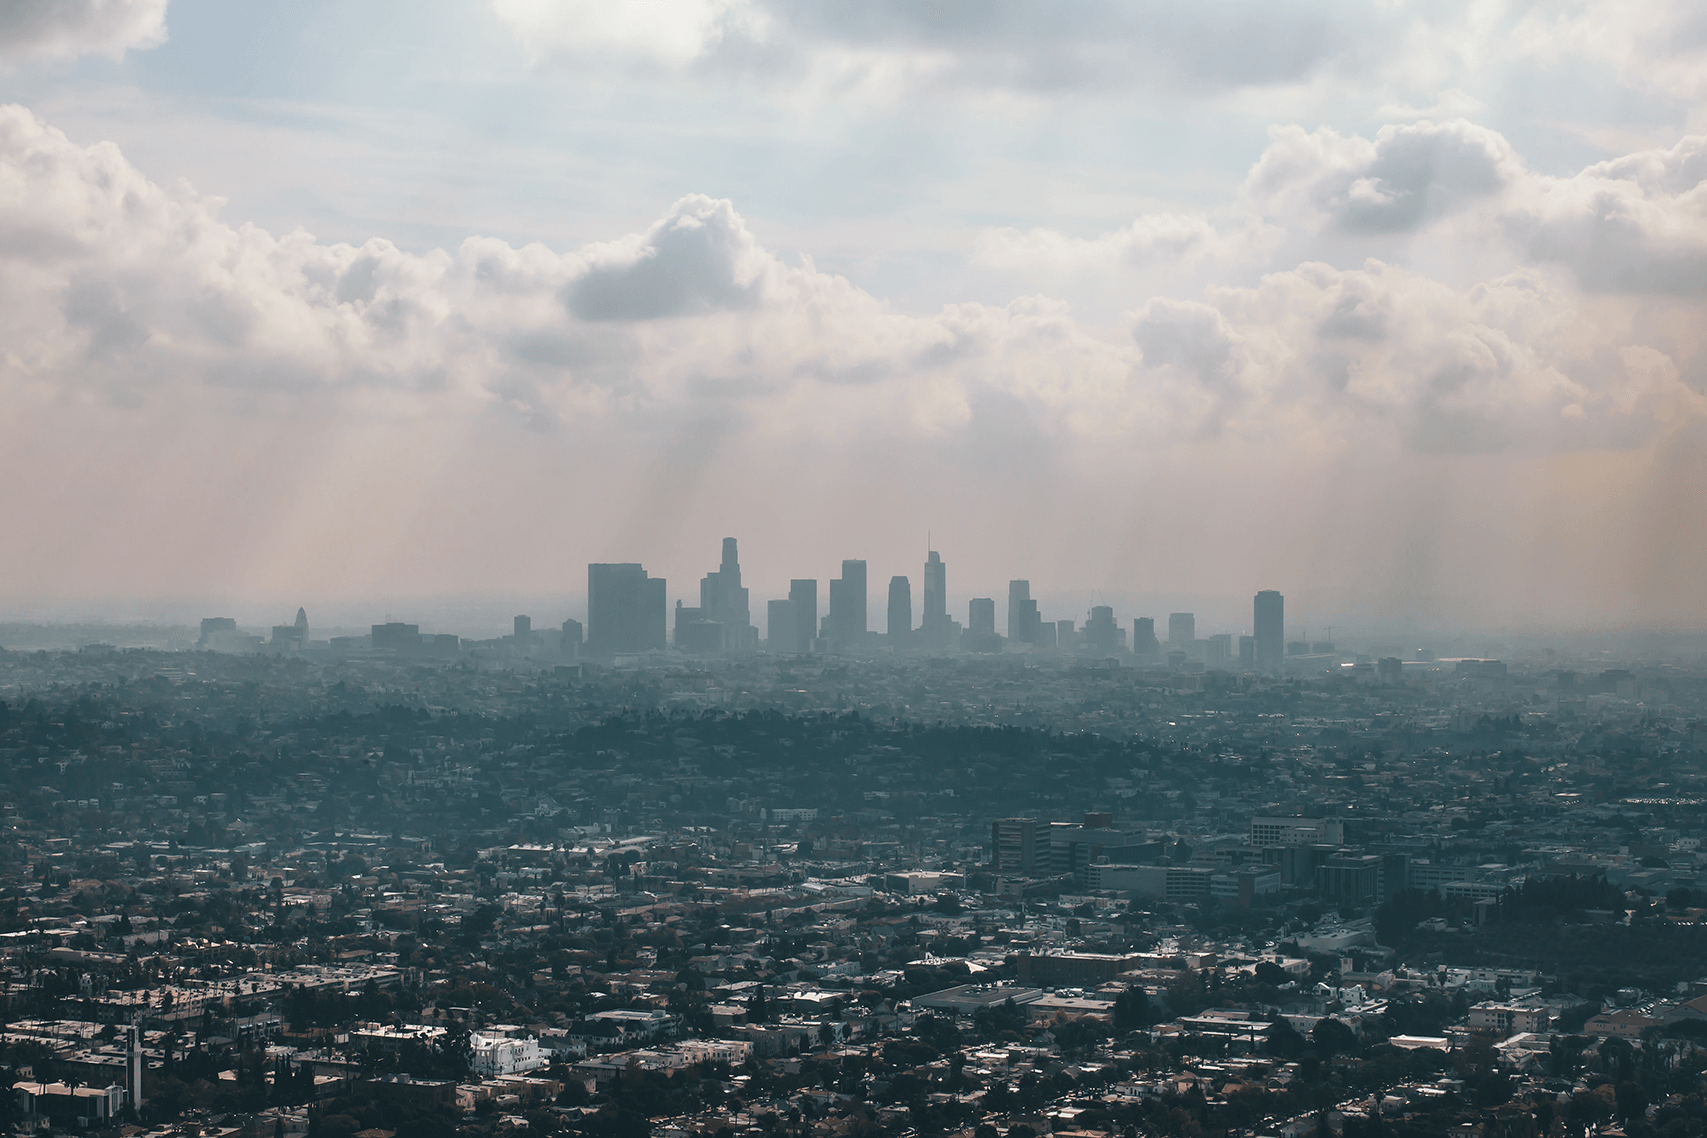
(731, 1051)
(1268, 832)
(491, 1055)
(1505, 1019)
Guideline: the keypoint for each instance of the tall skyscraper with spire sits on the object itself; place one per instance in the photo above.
(938, 632)
(936, 592)
(723, 599)
(723, 621)
(292, 637)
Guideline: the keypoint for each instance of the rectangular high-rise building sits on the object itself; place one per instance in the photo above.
(1218, 651)
(1268, 831)
(1102, 634)
(1182, 631)
(981, 616)
(804, 593)
(1145, 646)
(900, 611)
(214, 626)
(625, 610)
(1268, 623)
(847, 623)
(1024, 623)
(782, 627)
(396, 636)
(1013, 845)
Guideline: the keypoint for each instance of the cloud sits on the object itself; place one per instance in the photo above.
(668, 32)
(118, 289)
(1411, 60)
(1404, 178)
(894, 45)
(1510, 365)
(1162, 238)
(1659, 48)
(65, 29)
(1637, 224)
(698, 259)
(1452, 103)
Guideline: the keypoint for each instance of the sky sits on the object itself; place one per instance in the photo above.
(1397, 307)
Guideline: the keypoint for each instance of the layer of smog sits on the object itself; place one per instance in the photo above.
(759, 569)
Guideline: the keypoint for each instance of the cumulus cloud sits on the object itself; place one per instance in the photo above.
(125, 290)
(1380, 352)
(1633, 225)
(65, 29)
(699, 259)
(1406, 177)
(1636, 224)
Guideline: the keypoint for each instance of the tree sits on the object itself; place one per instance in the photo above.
(937, 1031)
(1078, 1034)
(1589, 1107)
(1284, 1040)
(1132, 1010)
(1002, 1019)
(1332, 1037)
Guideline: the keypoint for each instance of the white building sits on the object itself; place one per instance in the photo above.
(1504, 1019)
(731, 1051)
(1268, 832)
(491, 1055)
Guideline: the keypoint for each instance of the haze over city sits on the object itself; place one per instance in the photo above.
(853, 569)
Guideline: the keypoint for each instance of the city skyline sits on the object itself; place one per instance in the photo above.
(627, 612)
(899, 569)
(627, 615)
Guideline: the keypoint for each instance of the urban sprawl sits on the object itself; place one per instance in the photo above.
(656, 875)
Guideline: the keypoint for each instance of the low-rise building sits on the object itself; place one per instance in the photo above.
(491, 1055)
(1507, 1019)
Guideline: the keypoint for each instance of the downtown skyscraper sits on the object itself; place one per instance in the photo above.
(1268, 624)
